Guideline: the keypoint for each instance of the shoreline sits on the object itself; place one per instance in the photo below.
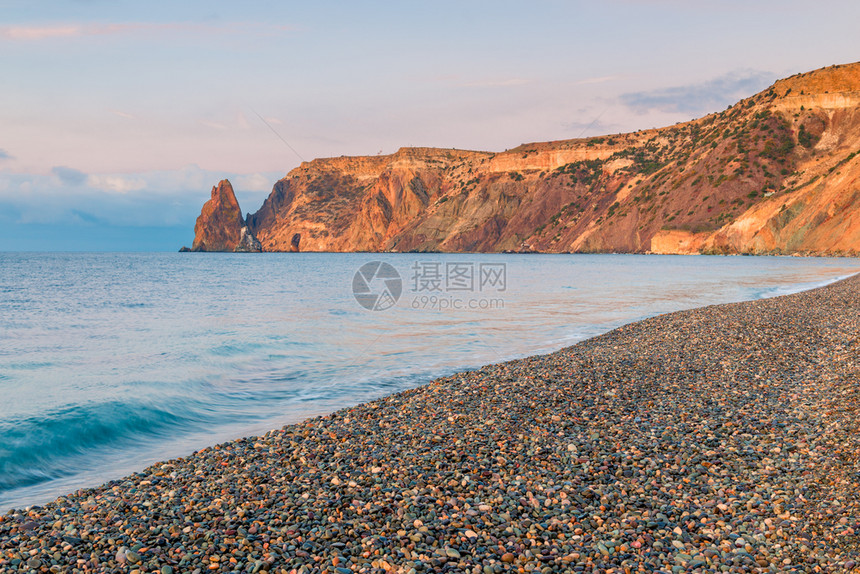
(700, 281)
(602, 456)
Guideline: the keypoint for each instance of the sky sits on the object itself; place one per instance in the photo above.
(118, 117)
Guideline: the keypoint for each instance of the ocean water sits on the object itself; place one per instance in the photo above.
(110, 362)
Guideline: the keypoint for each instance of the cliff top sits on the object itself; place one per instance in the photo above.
(833, 79)
(837, 79)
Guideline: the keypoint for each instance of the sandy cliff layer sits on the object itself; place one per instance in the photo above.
(775, 173)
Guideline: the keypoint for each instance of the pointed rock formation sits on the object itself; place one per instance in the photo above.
(221, 226)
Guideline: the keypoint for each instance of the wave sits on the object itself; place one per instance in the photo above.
(74, 439)
(780, 290)
(58, 443)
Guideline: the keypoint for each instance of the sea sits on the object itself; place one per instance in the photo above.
(110, 362)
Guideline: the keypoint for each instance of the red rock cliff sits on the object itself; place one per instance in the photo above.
(778, 172)
(221, 226)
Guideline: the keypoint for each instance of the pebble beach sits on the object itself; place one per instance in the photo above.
(721, 439)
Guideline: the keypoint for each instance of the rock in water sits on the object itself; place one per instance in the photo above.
(248, 243)
(221, 226)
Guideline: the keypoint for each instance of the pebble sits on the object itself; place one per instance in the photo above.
(721, 439)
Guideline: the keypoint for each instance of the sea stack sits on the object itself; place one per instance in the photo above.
(221, 226)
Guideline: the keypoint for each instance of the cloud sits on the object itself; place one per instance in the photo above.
(599, 80)
(71, 30)
(213, 125)
(69, 176)
(699, 98)
(588, 122)
(253, 182)
(38, 32)
(116, 183)
(5, 155)
(242, 121)
(497, 83)
(593, 128)
(87, 218)
(123, 114)
(153, 198)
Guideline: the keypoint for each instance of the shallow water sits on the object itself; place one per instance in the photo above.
(109, 362)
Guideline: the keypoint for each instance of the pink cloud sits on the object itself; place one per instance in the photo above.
(35, 33)
(599, 80)
(38, 32)
(501, 83)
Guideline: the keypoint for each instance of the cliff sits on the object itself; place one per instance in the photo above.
(775, 173)
(221, 226)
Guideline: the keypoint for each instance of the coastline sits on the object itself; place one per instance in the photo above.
(720, 436)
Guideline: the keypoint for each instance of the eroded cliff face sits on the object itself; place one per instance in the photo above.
(775, 173)
(221, 226)
(353, 204)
